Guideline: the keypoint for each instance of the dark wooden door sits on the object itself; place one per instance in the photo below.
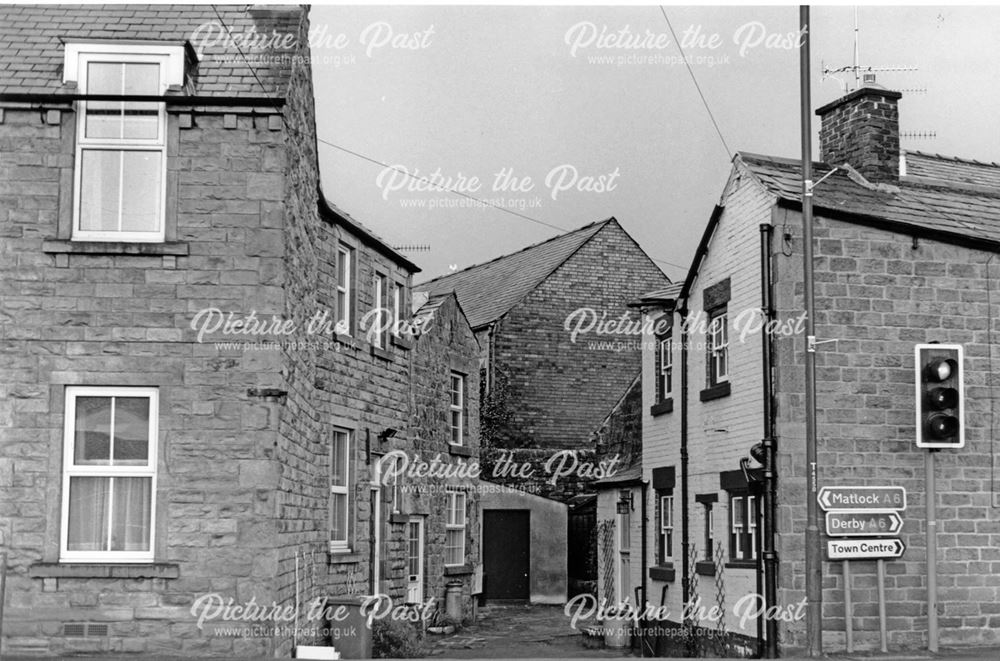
(506, 546)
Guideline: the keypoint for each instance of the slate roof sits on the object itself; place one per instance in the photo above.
(31, 38)
(669, 293)
(489, 290)
(944, 202)
(952, 171)
(630, 475)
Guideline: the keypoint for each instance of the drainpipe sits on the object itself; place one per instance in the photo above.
(768, 554)
(645, 525)
(685, 536)
(644, 565)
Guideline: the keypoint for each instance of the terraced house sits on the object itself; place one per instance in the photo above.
(906, 246)
(206, 362)
(550, 381)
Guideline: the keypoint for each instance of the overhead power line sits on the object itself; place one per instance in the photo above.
(375, 161)
(696, 85)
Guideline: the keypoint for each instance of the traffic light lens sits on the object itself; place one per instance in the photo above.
(942, 398)
(941, 369)
(942, 426)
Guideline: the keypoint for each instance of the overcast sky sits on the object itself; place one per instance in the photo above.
(478, 92)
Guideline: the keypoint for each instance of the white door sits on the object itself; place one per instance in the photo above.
(415, 560)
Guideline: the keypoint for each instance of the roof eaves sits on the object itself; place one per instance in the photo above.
(897, 227)
(701, 251)
(516, 252)
(328, 209)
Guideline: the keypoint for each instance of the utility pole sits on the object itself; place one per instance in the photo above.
(814, 558)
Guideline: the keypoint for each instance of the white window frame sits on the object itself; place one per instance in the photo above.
(415, 582)
(752, 525)
(77, 57)
(344, 266)
(70, 470)
(736, 525)
(452, 524)
(341, 545)
(378, 331)
(397, 306)
(624, 560)
(718, 346)
(456, 408)
(666, 363)
(710, 531)
(667, 525)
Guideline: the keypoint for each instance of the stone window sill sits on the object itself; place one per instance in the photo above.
(459, 450)
(346, 340)
(402, 342)
(382, 354)
(458, 570)
(704, 568)
(666, 406)
(665, 573)
(741, 564)
(344, 558)
(56, 246)
(97, 570)
(717, 391)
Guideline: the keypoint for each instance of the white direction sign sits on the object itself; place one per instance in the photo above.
(864, 549)
(862, 523)
(862, 498)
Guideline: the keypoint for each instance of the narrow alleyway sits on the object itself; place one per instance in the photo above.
(518, 631)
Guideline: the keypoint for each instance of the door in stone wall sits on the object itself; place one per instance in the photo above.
(506, 552)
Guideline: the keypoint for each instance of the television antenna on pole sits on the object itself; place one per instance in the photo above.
(861, 74)
(856, 75)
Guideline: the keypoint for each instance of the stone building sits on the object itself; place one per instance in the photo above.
(198, 396)
(551, 372)
(905, 245)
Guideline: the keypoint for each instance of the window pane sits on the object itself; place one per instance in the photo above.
(141, 191)
(104, 118)
(142, 119)
(92, 431)
(338, 517)
(413, 555)
(131, 446)
(100, 189)
(338, 466)
(453, 551)
(342, 274)
(132, 508)
(88, 513)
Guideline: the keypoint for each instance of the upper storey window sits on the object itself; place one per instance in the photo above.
(120, 157)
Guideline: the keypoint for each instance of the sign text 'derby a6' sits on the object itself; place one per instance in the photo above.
(863, 524)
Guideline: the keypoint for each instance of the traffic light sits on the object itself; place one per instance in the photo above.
(940, 406)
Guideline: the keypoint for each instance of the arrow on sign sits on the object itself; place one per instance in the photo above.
(860, 523)
(862, 498)
(862, 549)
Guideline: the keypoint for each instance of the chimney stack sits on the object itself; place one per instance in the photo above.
(862, 130)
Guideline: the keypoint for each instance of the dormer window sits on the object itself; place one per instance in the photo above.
(120, 164)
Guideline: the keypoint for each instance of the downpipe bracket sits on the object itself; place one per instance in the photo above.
(812, 343)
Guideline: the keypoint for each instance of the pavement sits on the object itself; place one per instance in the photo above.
(521, 631)
(543, 632)
(518, 631)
